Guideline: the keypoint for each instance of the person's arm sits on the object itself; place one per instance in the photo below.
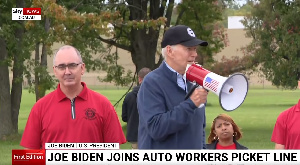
(280, 131)
(124, 109)
(203, 139)
(31, 137)
(279, 146)
(112, 130)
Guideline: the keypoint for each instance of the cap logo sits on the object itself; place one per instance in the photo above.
(191, 32)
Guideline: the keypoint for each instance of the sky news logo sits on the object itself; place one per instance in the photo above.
(25, 157)
(26, 14)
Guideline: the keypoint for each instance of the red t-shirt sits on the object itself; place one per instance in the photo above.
(287, 128)
(52, 121)
(230, 147)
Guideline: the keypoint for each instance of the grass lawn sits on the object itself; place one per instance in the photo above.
(256, 116)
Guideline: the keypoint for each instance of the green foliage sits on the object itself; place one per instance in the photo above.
(91, 6)
(227, 66)
(274, 27)
(5, 11)
(7, 31)
(46, 81)
(136, 21)
(76, 23)
(203, 17)
(115, 72)
(83, 31)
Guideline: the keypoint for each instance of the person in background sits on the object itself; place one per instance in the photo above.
(224, 134)
(130, 113)
(167, 119)
(286, 132)
(72, 113)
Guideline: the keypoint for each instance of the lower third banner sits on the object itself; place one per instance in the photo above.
(98, 156)
(55, 157)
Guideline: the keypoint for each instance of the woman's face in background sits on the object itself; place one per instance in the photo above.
(223, 129)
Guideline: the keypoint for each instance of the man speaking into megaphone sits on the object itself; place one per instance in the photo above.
(167, 119)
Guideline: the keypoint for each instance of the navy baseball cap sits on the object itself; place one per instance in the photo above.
(181, 34)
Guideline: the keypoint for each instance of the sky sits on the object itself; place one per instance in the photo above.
(241, 2)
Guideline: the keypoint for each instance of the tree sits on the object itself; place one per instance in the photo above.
(19, 38)
(204, 17)
(144, 22)
(274, 27)
(137, 27)
(75, 23)
(99, 15)
(227, 66)
(39, 33)
(12, 48)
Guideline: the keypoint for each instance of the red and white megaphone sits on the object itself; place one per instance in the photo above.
(231, 90)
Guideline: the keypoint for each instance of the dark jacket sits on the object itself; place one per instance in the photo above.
(130, 114)
(167, 120)
(213, 145)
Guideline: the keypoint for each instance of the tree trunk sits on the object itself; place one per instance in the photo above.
(144, 41)
(6, 125)
(44, 57)
(144, 48)
(36, 73)
(18, 67)
(40, 78)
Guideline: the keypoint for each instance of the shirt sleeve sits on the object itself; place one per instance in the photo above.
(204, 138)
(124, 109)
(279, 134)
(31, 137)
(112, 132)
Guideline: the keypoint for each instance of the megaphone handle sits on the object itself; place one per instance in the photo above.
(191, 91)
(201, 105)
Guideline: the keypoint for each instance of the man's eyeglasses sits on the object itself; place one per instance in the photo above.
(70, 66)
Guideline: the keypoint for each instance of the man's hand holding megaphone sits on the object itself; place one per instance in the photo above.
(199, 96)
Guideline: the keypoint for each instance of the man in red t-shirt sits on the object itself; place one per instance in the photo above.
(72, 113)
(286, 133)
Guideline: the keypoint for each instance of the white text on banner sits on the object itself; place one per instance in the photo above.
(82, 146)
(156, 157)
